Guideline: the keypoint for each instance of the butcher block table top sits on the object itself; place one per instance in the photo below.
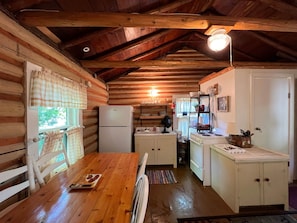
(109, 201)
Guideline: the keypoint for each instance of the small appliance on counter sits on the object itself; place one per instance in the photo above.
(166, 121)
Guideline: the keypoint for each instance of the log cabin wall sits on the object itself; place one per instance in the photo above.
(17, 46)
(134, 88)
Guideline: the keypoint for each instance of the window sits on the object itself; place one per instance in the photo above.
(50, 118)
(183, 113)
(64, 118)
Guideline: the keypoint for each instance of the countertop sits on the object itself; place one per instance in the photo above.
(153, 133)
(250, 154)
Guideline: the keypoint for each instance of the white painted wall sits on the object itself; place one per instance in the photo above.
(237, 84)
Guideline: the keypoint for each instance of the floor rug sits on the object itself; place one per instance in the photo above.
(161, 177)
(288, 217)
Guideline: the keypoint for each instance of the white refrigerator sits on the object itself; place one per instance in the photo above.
(115, 128)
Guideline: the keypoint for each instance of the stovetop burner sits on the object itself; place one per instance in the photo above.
(205, 134)
(210, 134)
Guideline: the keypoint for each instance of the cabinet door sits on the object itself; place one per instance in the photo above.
(275, 176)
(166, 148)
(146, 144)
(249, 184)
(196, 159)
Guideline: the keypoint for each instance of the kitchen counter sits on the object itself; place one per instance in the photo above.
(241, 155)
(161, 147)
(247, 177)
(152, 131)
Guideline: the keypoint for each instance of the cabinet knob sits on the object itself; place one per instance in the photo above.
(257, 180)
(158, 148)
(153, 149)
(267, 179)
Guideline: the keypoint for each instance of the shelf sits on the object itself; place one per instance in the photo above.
(202, 115)
(152, 117)
(153, 104)
(152, 111)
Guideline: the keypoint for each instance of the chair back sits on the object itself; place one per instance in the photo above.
(53, 156)
(45, 166)
(142, 165)
(17, 181)
(140, 200)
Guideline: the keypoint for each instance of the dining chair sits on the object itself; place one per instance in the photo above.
(142, 165)
(17, 181)
(53, 158)
(46, 165)
(140, 199)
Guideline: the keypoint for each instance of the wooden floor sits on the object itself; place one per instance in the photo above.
(187, 198)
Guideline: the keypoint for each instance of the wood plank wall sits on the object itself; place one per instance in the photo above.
(17, 46)
(134, 88)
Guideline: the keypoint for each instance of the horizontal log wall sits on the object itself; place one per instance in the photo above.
(134, 89)
(12, 112)
(17, 46)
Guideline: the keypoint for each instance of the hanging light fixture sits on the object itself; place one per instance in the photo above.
(219, 40)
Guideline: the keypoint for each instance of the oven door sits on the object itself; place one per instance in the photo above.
(196, 159)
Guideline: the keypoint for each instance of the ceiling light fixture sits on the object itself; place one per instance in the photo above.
(219, 40)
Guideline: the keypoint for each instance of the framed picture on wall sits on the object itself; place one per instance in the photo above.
(223, 104)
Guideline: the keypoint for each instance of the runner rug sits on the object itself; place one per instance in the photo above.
(161, 177)
(265, 218)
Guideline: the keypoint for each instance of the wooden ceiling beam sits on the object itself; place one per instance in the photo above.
(274, 44)
(170, 35)
(97, 34)
(153, 63)
(16, 5)
(281, 7)
(167, 63)
(166, 20)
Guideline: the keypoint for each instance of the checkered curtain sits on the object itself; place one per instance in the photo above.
(74, 144)
(53, 142)
(49, 89)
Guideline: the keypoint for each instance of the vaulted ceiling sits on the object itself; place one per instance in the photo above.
(111, 38)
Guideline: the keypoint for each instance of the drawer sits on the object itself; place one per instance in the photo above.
(198, 170)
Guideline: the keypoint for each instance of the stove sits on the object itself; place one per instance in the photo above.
(206, 136)
(200, 153)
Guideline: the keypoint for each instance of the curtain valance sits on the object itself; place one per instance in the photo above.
(49, 89)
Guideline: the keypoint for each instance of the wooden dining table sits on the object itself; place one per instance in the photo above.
(109, 201)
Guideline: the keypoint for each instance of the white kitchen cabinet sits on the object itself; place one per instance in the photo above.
(161, 148)
(257, 177)
(262, 183)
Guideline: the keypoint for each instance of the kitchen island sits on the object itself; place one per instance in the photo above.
(249, 177)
